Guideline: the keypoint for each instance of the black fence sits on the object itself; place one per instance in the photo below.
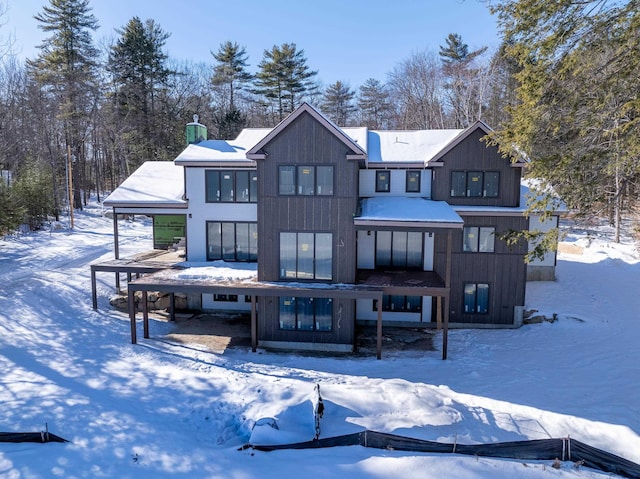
(565, 449)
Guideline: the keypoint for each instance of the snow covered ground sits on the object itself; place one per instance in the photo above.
(158, 409)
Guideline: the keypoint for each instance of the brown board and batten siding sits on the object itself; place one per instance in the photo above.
(473, 154)
(504, 270)
(305, 141)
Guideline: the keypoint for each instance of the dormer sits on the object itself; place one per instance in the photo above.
(470, 172)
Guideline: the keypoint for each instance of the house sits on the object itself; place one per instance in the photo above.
(344, 226)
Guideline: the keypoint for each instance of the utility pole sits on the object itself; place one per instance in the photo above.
(70, 185)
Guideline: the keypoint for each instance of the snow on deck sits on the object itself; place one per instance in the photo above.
(414, 210)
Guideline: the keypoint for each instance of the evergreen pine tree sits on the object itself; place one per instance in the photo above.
(374, 104)
(66, 69)
(284, 78)
(230, 71)
(338, 104)
(137, 65)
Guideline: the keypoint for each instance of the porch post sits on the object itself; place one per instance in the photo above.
(254, 325)
(172, 306)
(379, 328)
(116, 245)
(132, 314)
(145, 314)
(445, 331)
(94, 295)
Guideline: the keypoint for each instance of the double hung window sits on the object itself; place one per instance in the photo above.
(413, 181)
(402, 304)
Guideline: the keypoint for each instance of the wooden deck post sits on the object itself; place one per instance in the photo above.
(379, 328)
(438, 313)
(445, 332)
(116, 245)
(132, 314)
(254, 325)
(94, 294)
(145, 314)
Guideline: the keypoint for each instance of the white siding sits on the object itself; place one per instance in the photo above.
(428, 251)
(366, 249)
(364, 311)
(209, 304)
(200, 212)
(535, 224)
(367, 184)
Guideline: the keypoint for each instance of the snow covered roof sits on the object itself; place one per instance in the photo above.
(409, 212)
(223, 152)
(417, 146)
(154, 184)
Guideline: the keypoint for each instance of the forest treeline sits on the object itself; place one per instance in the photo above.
(78, 119)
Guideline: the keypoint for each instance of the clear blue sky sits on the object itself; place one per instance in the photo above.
(347, 40)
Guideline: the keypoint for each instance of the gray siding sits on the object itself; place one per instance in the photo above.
(473, 154)
(306, 142)
(504, 270)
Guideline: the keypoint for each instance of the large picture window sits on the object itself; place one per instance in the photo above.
(475, 184)
(399, 249)
(478, 239)
(306, 314)
(476, 298)
(306, 256)
(305, 180)
(232, 241)
(231, 186)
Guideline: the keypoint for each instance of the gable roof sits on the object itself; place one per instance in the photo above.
(463, 135)
(358, 153)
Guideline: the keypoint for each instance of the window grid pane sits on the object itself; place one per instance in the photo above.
(286, 180)
(306, 255)
(487, 240)
(306, 180)
(214, 241)
(324, 256)
(474, 184)
(469, 298)
(414, 250)
(324, 314)
(287, 313)
(324, 180)
(212, 185)
(470, 239)
(383, 248)
(458, 183)
(413, 182)
(482, 299)
(226, 186)
(288, 248)
(304, 311)
(383, 181)
(491, 184)
(242, 186)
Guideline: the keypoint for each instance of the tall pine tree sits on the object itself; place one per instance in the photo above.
(66, 70)
(337, 103)
(137, 65)
(284, 78)
(578, 110)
